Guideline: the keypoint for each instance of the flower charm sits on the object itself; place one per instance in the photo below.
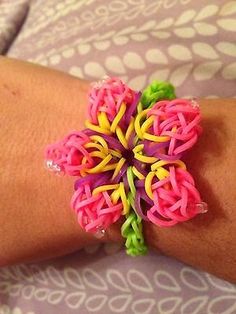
(127, 160)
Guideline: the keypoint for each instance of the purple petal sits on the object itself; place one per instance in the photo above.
(132, 107)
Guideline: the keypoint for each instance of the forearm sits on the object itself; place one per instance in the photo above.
(37, 106)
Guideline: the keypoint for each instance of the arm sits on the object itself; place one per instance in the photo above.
(39, 105)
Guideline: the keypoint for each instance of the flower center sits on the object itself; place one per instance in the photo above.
(129, 156)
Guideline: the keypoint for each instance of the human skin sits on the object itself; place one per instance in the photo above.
(39, 106)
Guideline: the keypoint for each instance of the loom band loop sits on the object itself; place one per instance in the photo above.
(110, 96)
(106, 187)
(97, 146)
(168, 123)
(118, 117)
(139, 210)
(162, 163)
(99, 139)
(95, 211)
(119, 165)
(156, 91)
(110, 209)
(97, 128)
(125, 202)
(155, 138)
(132, 231)
(181, 105)
(139, 155)
(141, 167)
(171, 215)
(77, 196)
(103, 121)
(177, 206)
(121, 174)
(179, 136)
(115, 195)
(139, 107)
(130, 129)
(67, 164)
(161, 173)
(97, 154)
(137, 173)
(93, 180)
(121, 137)
(151, 148)
(192, 190)
(78, 135)
(194, 123)
(160, 222)
(140, 116)
(132, 108)
(130, 178)
(113, 142)
(109, 167)
(118, 193)
(115, 153)
(99, 167)
(138, 148)
(147, 124)
(186, 146)
(148, 184)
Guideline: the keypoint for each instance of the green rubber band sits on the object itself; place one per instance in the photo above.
(132, 227)
(132, 231)
(156, 91)
(130, 177)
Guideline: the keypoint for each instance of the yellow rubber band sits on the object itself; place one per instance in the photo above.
(103, 121)
(126, 206)
(137, 173)
(96, 128)
(98, 154)
(161, 163)
(148, 184)
(130, 129)
(83, 162)
(115, 196)
(146, 159)
(155, 138)
(121, 137)
(118, 167)
(140, 107)
(104, 188)
(109, 167)
(100, 166)
(162, 173)
(138, 148)
(115, 153)
(95, 145)
(100, 139)
(146, 125)
(118, 117)
(137, 127)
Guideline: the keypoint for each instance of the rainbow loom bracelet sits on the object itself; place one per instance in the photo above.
(128, 160)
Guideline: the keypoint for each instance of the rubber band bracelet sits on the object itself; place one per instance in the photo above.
(127, 161)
